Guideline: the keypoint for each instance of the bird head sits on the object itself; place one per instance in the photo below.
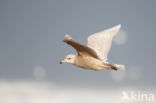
(68, 59)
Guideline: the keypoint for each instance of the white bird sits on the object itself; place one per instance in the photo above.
(93, 56)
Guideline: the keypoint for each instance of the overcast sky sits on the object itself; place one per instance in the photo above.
(31, 33)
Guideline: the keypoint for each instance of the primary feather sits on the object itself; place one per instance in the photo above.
(101, 41)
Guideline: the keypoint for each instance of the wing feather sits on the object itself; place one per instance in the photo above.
(81, 49)
(101, 41)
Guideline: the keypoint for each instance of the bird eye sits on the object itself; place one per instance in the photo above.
(68, 58)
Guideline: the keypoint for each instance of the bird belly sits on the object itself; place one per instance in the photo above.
(89, 63)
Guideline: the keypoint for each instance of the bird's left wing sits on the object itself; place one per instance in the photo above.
(101, 41)
(81, 49)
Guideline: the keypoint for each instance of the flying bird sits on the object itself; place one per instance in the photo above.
(94, 55)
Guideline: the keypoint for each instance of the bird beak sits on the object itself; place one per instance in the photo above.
(60, 62)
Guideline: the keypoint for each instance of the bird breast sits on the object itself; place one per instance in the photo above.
(88, 62)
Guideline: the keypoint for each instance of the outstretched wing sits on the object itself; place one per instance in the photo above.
(101, 41)
(81, 49)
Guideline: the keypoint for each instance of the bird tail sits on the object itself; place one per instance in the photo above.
(120, 66)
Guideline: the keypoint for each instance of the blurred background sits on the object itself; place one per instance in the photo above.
(31, 33)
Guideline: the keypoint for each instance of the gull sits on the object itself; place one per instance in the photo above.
(94, 55)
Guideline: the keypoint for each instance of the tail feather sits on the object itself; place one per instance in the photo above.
(115, 67)
(120, 66)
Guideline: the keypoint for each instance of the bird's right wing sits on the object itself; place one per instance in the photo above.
(81, 49)
(101, 41)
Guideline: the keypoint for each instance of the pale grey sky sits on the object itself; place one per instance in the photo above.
(31, 33)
